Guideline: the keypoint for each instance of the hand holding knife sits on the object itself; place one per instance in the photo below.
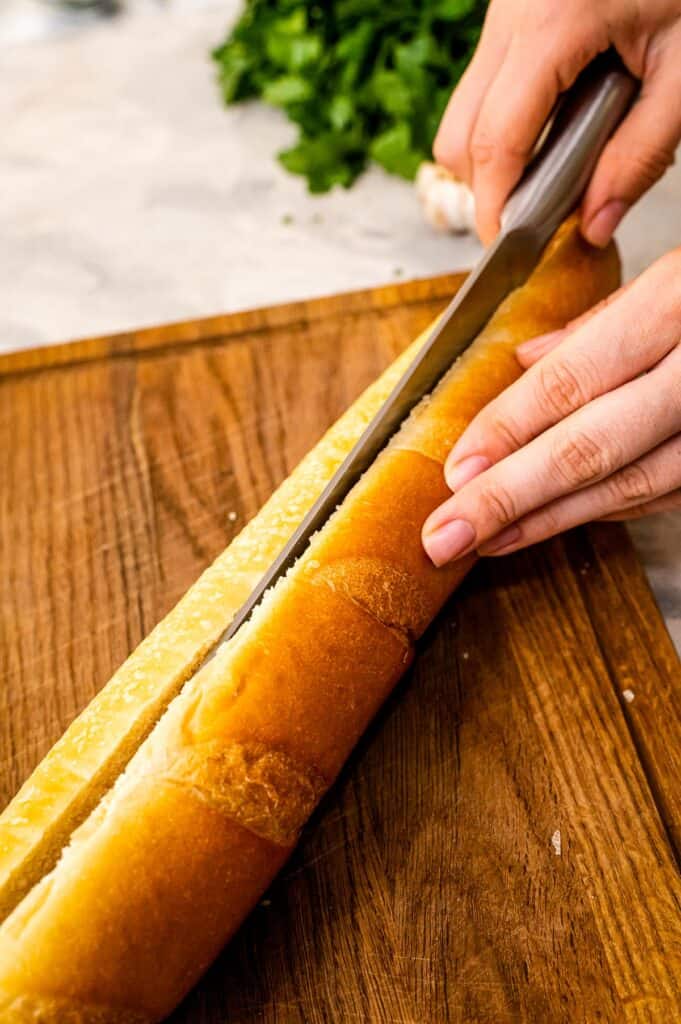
(551, 187)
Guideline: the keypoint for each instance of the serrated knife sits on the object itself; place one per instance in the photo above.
(551, 187)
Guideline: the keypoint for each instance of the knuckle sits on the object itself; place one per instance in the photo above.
(632, 485)
(568, 64)
(562, 388)
(498, 505)
(489, 147)
(551, 521)
(580, 459)
(648, 164)
(509, 433)
(547, 522)
(483, 150)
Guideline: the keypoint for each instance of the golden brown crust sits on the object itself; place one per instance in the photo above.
(71, 779)
(184, 874)
(45, 1010)
(372, 553)
(206, 812)
(304, 677)
(262, 789)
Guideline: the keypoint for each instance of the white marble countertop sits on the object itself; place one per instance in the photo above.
(129, 195)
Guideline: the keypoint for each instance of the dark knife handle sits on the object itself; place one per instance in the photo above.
(586, 116)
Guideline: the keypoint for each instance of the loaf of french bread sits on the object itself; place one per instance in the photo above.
(83, 764)
(186, 821)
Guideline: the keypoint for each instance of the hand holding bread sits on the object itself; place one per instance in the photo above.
(591, 431)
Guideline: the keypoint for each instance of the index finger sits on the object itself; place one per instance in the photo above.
(540, 63)
(611, 432)
(452, 142)
(616, 344)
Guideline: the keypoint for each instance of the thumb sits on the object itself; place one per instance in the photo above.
(639, 152)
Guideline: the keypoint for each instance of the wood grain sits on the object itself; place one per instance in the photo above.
(504, 844)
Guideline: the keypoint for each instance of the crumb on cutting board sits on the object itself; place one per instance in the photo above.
(556, 843)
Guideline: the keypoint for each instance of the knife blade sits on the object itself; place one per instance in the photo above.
(551, 187)
(504, 266)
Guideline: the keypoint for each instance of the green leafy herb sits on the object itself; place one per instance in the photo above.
(363, 79)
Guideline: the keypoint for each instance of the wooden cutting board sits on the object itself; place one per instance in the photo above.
(504, 844)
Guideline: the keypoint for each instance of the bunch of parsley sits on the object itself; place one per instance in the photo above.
(363, 79)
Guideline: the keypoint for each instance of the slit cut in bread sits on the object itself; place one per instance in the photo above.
(146, 835)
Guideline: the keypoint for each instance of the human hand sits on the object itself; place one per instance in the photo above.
(592, 430)
(529, 52)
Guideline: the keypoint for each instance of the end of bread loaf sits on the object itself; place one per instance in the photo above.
(183, 878)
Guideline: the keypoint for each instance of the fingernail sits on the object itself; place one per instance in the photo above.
(458, 473)
(502, 540)
(529, 349)
(449, 541)
(599, 230)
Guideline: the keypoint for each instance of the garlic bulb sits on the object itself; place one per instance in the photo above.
(447, 203)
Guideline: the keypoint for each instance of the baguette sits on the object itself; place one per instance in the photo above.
(71, 779)
(208, 808)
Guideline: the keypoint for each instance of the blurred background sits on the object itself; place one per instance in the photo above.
(131, 194)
